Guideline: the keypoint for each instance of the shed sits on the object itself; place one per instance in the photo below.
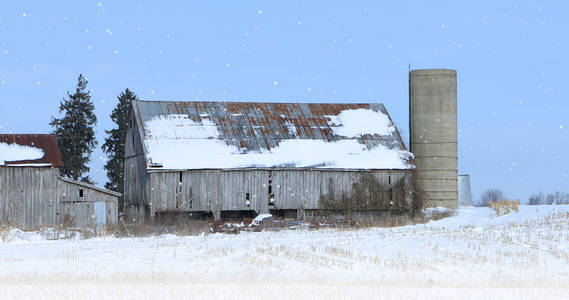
(33, 195)
(223, 157)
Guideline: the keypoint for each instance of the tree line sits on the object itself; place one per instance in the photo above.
(494, 195)
(75, 132)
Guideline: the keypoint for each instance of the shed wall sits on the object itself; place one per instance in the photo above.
(82, 209)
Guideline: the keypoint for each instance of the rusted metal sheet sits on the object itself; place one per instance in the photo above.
(256, 126)
(46, 142)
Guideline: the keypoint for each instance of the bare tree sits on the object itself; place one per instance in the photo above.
(491, 195)
(557, 198)
(536, 199)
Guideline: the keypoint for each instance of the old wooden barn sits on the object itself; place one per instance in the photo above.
(228, 159)
(33, 195)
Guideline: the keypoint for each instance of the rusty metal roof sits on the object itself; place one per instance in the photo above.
(46, 142)
(260, 126)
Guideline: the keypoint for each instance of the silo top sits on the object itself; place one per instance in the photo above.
(426, 72)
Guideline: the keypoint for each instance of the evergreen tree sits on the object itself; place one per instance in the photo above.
(114, 144)
(75, 131)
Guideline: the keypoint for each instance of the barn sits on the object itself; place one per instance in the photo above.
(226, 159)
(33, 195)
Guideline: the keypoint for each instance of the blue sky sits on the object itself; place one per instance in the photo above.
(511, 58)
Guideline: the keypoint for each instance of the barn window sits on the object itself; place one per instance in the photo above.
(248, 199)
(389, 179)
(80, 193)
(130, 123)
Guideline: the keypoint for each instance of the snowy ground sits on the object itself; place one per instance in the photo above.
(472, 255)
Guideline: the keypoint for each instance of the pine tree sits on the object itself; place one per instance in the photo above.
(75, 131)
(114, 144)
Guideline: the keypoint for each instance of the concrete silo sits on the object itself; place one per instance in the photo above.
(433, 134)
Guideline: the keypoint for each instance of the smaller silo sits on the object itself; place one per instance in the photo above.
(464, 193)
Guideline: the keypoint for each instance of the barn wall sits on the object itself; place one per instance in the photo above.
(208, 190)
(135, 176)
(31, 198)
(28, 197)
(237, 187)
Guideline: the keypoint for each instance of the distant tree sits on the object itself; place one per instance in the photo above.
(114, 144)
(549, 199)
(491, 195)
(557, 198)
(536, 199)
(75, 131)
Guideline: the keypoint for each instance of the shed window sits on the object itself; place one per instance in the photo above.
(130, 123)
(80, 193)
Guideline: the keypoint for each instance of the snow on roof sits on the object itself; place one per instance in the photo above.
(15, 152)
(202, 135)
(24, 150)
(358, 122)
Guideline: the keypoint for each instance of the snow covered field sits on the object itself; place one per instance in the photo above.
(472, 255)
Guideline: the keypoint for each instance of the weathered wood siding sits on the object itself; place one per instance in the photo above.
(82, 209)
(28, 197)
(31, 198)
(208, 190)
(296, 189)
(136, 189)
(237, 187)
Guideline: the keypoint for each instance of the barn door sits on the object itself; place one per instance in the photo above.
(100, 214)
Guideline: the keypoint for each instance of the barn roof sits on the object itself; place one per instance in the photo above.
(36, 150)
(204, 135)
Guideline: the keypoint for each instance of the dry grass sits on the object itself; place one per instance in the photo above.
(504, 207)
